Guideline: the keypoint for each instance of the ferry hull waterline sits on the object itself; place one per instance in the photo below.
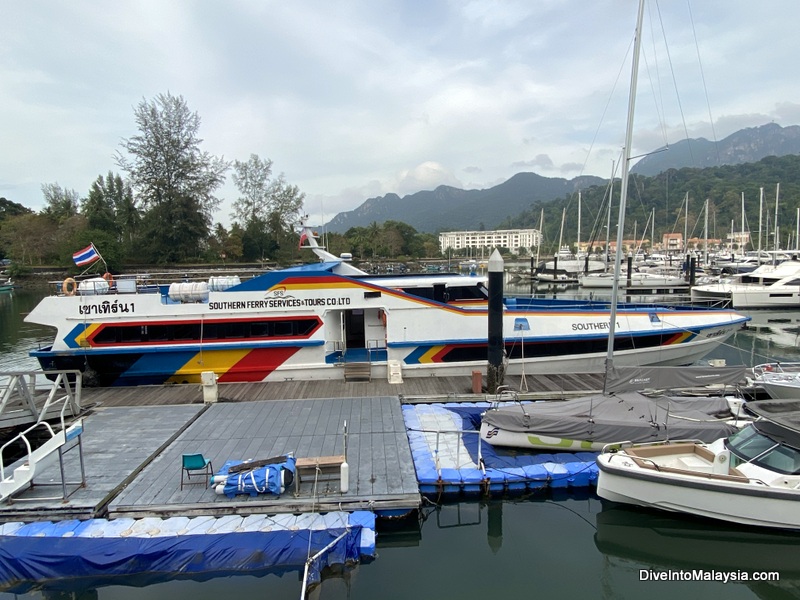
(306, 322)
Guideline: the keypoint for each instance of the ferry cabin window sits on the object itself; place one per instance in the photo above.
(186, 331)
(449, 294)
(181, 332)
(283, 328)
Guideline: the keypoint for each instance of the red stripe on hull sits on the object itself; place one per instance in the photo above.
(258, 364)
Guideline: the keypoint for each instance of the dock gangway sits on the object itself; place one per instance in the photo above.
(63, 397)
(31, 396)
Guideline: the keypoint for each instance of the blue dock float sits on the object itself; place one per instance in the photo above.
(33, 553)
(444, 440)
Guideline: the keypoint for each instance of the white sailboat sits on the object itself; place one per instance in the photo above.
(620, 412)
(751, 477)
(566, 267)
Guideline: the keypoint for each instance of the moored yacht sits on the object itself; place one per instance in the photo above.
(768, 286)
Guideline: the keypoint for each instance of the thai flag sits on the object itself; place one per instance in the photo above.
(86, 256)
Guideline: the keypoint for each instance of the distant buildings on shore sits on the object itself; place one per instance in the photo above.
(529, 239)
(513, 239)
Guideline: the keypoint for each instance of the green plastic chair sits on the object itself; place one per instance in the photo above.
(195, 463)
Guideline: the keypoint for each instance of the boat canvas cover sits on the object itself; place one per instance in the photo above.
(626, 417)
(624, 379)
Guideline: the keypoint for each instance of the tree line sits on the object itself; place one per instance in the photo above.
(158, 209)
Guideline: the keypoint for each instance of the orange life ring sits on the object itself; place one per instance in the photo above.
(109, 278)
(69, 286)
(382, 314)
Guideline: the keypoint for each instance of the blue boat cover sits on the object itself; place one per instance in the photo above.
(267, 479)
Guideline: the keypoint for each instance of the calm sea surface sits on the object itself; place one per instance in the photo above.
(540, 546)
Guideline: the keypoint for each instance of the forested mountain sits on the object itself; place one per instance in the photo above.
(678, 170)
(449, 208)
(744, 146)
(665, 193)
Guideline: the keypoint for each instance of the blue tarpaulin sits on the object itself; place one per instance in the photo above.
(77, 551)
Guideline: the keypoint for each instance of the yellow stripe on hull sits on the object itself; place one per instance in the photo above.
(219, 361)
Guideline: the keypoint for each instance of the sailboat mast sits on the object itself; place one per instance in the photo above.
(541, 235)
(608, 223)
(686, 224)
(578, 244)
(760, 218)
(705, 235)
(623, 197)
(741, 242)
(777, 243)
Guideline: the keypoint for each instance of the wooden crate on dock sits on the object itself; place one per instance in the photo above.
(308, 467)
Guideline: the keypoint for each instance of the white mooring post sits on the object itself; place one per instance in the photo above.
(344, 469)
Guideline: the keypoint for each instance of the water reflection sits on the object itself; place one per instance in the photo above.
(661, 542)
(17, 338)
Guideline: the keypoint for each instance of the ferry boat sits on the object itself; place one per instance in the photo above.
(309, 321)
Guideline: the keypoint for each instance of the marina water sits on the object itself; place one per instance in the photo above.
(548, 544)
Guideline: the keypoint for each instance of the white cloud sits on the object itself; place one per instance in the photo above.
(425, 176)
(359, 99)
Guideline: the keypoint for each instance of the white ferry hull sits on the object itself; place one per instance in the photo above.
(307, 323)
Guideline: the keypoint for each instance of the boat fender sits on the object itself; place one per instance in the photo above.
(109, 278)
(69, 286)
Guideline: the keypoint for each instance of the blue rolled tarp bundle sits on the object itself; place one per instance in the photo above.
(253, 477)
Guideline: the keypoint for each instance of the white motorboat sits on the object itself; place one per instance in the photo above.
(779, 380)
(750, 478)
(768, 286)
(565, 270)
(646, 280)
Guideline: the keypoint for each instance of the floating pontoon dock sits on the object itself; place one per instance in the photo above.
(398, 448)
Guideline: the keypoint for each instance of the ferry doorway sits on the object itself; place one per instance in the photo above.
(355, 338)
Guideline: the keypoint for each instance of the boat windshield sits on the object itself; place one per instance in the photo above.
(750, 445)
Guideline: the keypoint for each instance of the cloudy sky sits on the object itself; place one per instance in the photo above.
(355, 99)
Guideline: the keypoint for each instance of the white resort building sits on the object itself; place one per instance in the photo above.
(513, 239)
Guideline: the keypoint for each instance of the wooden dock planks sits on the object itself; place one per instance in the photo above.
(135, 437)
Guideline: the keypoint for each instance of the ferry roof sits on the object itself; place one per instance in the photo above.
(267, 280)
